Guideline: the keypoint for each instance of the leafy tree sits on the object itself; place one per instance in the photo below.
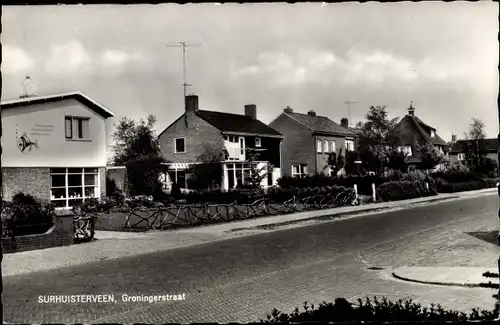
(397, 161)
(136, 147)
(256, 175)
(133, 139)
(474, 150)
(486, 167)
(336, 161)
(430, 157)
(476, 130)
(377, 138)
(207, 173)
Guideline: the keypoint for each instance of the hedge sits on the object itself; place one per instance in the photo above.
(404, 190)
(376, 310)
(446, 187)
(364, 183)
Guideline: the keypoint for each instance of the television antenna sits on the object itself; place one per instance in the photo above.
(183, 45)
(348, 103)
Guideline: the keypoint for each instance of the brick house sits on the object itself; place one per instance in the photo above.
(54, 148)
(197, 131)
(463, 149)
(412, 131)
(308, 139)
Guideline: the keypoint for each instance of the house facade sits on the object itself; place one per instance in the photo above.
(54, 148)
(237, 136)
(308, 141)
(412, 132)
(461, 150)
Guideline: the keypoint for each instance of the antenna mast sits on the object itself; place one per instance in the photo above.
(183, 45)
(348, 103)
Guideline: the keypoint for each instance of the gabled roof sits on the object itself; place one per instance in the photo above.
(488, 145)
(320, 124)
(79, 96)
(228, 122)
(424, 130)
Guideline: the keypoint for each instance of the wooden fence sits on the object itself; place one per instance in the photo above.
(192, 215)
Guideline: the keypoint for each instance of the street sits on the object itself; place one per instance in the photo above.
(242, 279)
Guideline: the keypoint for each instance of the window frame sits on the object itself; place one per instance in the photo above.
(302, 170)
(319, 146)
(175, 145)
(351, 145)
(78, 134)
(258, 142)
(67, 172)
(333, 146)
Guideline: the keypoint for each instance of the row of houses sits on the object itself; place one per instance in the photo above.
(54, 147)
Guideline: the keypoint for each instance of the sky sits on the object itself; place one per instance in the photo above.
(441, 56)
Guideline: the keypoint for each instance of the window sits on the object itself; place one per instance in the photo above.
(349, 145)
(72, 186)
(332, 146)
(77, 128)
(407, 150)
(237, 174)
(257, 142)
(320, 146)
(299, 170)
(180, 145)
(433, 133)
(325, 146)
(461, 156)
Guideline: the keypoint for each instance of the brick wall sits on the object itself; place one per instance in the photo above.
(198, 135)
(298, 144)
(61, 234)
(29, 180)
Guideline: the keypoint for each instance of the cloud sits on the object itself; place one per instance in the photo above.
(68, 58)
(115, 57)
(15, 60)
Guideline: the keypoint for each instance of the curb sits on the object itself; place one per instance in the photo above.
(448, 284)
(339, 215)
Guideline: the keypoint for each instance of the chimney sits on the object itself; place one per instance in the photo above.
(288, 109)
(191, 103)
(311, 113)
(28, 88)
(453, 138)
(251, 111)
(344, 122)
(411, 110)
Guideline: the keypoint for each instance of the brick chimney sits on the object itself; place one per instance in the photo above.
(288, 109)
(311, 113)
(344, 122)
(251, 111)
(191, 103)
(411, 110)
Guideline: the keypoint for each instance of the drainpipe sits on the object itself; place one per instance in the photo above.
(1, 226)
(498, 236)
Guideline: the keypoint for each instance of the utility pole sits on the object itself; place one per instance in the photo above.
(183, 45)
(348, 103)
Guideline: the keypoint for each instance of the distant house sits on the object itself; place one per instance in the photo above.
(462, 150)
(237, 135)
(412, 132)
(308, 140)
(54, 148)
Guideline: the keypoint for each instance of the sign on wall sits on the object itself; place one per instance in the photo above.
(26, 142)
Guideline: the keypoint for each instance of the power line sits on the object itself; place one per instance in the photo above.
(183, 45)
(348, 103)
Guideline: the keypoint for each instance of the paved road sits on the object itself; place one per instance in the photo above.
(242, 279)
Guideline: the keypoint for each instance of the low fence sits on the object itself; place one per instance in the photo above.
(164, 217)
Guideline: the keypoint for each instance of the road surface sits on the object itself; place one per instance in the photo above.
(242, 279)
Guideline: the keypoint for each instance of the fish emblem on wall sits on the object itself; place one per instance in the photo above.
(25, 144)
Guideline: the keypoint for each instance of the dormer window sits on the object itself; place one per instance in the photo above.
(258, 144)
(433, 133)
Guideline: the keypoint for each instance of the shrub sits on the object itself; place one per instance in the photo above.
(395, 175)
(375, 310)
(403, 190)
(486, 167)
(113, 192)
(29, 213)
(456, 172)
(446, 187)
(143, 174)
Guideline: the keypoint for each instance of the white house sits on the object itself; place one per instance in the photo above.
(54, 148)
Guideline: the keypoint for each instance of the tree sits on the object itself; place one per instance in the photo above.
(136, 147)
(133, 139)
(397, 161)
(476, 130)
(377, 138)
(474, 151)
(256, 175)
(430, 157)
(207, 173)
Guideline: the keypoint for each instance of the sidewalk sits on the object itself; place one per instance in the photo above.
(471, 277)
(110, 245)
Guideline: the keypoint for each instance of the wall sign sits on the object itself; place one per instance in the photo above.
(25, 144)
